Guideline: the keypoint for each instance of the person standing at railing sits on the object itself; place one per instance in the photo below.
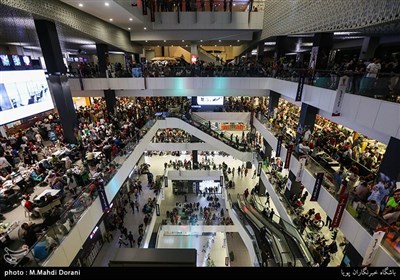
(367, 83)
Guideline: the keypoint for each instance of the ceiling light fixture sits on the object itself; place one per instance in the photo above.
(107, 4)
(183, 41)
(146, 41)
(219, 41)
(130, 19)
(165, 41)
(111, 19)
(238, 41)
(129, 28)
(80, 5)
(145, 28)
(201, 40)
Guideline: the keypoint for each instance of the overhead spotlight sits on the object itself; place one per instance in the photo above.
(107, 4)
(130, 19)
(111, 19)
(201, 40)
(80, 5)
(129, 28)
(145, 28)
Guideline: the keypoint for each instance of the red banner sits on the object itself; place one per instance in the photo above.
(288, 156)
(339, 210)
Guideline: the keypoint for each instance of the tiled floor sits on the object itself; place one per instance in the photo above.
(241, 183)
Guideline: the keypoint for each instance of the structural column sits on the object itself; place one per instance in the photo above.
(281, 47)
(195, 158)
(390, 163)
(51, 50)
(260, 52)
(368, 47)
(308, 114)
(109, 96)
(273, 102)
(102, 57)
(322, 45)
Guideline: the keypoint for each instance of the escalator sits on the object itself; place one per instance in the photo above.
(206, 134)
(285, 247)
(265, 253)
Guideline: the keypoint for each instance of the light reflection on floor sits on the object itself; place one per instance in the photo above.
(211, 249)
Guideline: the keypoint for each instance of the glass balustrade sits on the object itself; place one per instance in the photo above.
(73, 210)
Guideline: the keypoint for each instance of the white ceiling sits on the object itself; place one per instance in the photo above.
(119, 15)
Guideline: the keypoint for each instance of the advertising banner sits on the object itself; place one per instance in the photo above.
(339, 210)
(313, 57)
(372, 247)
(259, 168)
(343, 81)
(300, 86)
(288, 156)
(279, 146)
(103, 197)
(317, 186)
(302, 163)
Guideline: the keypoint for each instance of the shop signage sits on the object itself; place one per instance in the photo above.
(343, 81)
(221, 180)
(279, 146)
(103, 197)
(300, 86)
(288, 156)
(339, 211)
(373, 247)
(317, 186)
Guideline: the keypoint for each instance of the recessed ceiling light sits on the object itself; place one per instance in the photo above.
(80, 5)
(183, 41)
(201, 40)
(130, 19)
(219, 41)
(238, 41)
(165, 41)
(129, 28)
(107, 4)
(111, 19)
(145, 28)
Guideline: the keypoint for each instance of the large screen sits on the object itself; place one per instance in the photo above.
(23, 94)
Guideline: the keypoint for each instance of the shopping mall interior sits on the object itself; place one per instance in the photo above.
(233, 133)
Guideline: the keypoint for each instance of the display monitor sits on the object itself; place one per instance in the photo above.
(210, 100)
(26, 60)
(23, 94)
(5, 61)
(16, 60)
